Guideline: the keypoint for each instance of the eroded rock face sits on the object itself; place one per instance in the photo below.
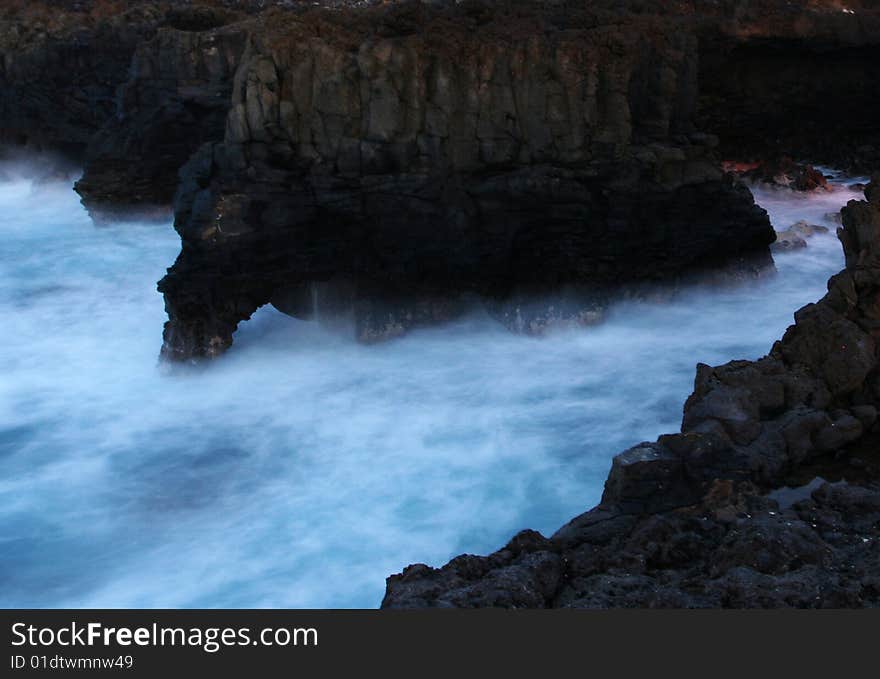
(128, 90)
(419, 155)
(60, 67)
(773, 76)
(391, 162)
(175, 99)
(691, 521)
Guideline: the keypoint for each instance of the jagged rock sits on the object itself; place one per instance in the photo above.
(786, 173)
(176, 99)
(420, 160)
(397, 159)
(693, 520)
(557, 149)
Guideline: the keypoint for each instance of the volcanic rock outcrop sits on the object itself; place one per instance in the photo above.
(175, 99)
(127, 89)
(769, 496)
(798, 78)
(391, 161)
(59, 71)
(395, 161)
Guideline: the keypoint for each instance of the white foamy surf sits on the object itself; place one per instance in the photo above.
(303, 468)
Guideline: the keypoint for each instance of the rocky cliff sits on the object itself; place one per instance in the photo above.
(795, 78)
(398, 160)
(175, 98)
(59, 70)
(769, 496)
(129, 90)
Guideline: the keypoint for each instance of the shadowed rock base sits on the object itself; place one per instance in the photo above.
(399, 270)
(769, 496)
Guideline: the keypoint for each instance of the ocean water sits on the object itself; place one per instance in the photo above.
(302, 468)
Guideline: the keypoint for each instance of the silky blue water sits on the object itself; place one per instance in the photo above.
(303, 468)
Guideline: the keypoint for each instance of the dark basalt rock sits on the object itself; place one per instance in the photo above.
(419, 155)
(773, 76)
(128, 90)
(692, 520)
(784, 172)
(59, 69)
(175, 99)
(393, 163)
(421, 162)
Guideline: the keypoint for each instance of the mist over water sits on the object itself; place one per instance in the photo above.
(302, 468)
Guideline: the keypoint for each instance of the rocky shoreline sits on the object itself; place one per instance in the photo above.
(769, 496)
(397, 161)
